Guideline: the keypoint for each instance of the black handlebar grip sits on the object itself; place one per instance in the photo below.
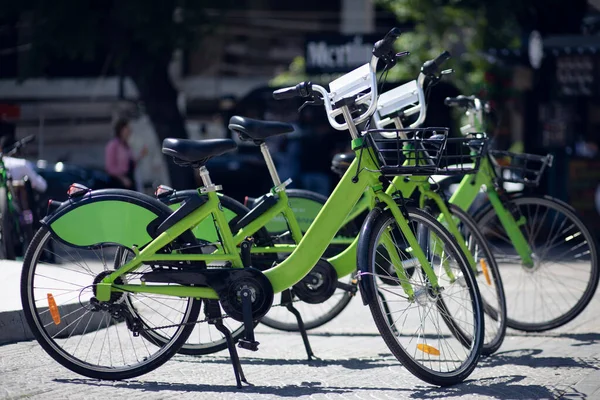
(442, 58)
(451, 101)
(386, 45)
(460, 101)
(285, 93)
(430, 67)
(392, 35)
(303, 89)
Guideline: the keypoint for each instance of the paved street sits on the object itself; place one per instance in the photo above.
(355, 364)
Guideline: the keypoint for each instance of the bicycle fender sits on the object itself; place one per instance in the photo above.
(115, 216)
(365, 273)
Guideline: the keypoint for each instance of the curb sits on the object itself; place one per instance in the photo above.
(14, 328)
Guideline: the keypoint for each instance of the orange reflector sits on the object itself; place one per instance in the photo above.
(53, 309)
(486, 273)
(425, 348)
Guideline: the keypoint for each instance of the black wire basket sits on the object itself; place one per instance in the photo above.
(520, 167)
(426, 151)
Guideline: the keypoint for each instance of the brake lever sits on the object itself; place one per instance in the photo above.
(315, 101)
(447, 71)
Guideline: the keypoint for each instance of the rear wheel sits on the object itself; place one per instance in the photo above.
(91, 338)
(564, 276)
(436, 334)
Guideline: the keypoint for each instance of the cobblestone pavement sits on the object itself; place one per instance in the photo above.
(355, 365)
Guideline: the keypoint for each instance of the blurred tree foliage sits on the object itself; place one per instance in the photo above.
(139, 37)
(468, 28)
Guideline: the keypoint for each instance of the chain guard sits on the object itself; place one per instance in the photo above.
(227, 282)
(319, 285)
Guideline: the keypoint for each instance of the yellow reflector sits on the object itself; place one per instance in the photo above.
(53, 309)
(486, 273)
(425, 348)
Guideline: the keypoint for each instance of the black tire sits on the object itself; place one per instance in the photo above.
(7, 226)
(489, 281)
(395, 336)
(313, 315)
(533, 305)
(70, 339)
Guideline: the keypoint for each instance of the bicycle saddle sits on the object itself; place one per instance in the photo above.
(253, 129)
(196, 152)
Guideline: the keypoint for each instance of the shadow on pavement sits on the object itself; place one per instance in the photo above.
(585, 339)
(304, 389)
(349, 363)
(529, 358)
(495, 388)
(360, 334)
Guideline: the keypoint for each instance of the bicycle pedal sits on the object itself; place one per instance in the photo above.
(251, 345)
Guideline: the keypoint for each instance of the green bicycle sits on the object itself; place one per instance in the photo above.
(540, 243)
(12, 233)
(308, 294)
(547, 254)
(89, 315)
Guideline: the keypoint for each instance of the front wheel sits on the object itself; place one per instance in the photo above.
(436, 333)
(98, 339)
(564, 276)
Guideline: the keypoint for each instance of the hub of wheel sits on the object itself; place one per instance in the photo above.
(319, 285)
(115, 297)
(537, 263)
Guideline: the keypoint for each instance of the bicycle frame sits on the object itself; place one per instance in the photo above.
(485, 178)
(305, 255)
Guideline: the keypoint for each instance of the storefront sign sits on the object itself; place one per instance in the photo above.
(338, 53)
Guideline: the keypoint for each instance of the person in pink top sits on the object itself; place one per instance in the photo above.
(119, 161)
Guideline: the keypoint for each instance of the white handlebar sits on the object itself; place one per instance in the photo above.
(351, 84)
(410, 98)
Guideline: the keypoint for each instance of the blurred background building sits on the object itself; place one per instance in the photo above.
(547, 86)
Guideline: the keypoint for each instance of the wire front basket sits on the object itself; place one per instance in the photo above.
(426, 151)
(520, 168)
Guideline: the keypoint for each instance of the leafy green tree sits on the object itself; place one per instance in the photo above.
(139, 36)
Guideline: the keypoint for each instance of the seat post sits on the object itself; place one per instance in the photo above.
(206, 181)
(270, 164)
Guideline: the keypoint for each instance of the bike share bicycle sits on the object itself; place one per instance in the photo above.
(121, 317)
(16, 224)
(312, 296)
(545, 251)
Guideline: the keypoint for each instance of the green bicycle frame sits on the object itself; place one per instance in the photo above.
(466, 193)
(463, 197)
(306, 254)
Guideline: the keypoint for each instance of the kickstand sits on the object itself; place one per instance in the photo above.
(286, 300)
(386, 309)
(212, 309)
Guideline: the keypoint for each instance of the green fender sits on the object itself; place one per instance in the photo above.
(115, 216)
